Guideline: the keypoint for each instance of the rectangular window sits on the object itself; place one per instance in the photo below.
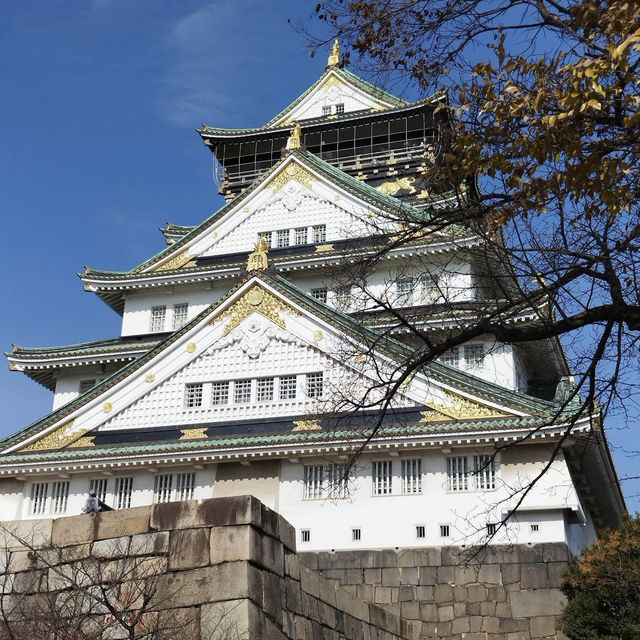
(451, 357)
(484, 472)
(185, 486)
(86, 385)
(301, 235)
(356, 535)
(335, 475)
(319, 293)
(382, 474)
(39, 492)
(242, 391)
(340, 107)
(326, 110)
(99, 485)
(314, 484)
(315, 384)
(492, 528)
(404, 290)
(282, 238)
(157, 318)
(288, 387)
(473, 355)
(319, 233)
(267, 236)
(457, 474)
(305, 535)
(535, 528)
(59, 497)
(124, 489)
(162, 488)
(343, 296)
(180, 314)
(444, 530)
(264, 389)
(429, 286)
(219, 393)
(420, 531)
(193, 395)
(411, 476)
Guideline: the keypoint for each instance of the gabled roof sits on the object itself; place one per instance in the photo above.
(518, 404)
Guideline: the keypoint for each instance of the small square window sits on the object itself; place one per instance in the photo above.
(535, 528)
(220, 393)
(319, 293)
(340, 107)
(85, 385)
(282, 238)
(288, 387)
(264, 389)
(444, 530)
(180, 314)
(356, 535)
(193, 395)
(473, 355)
(315, 384)
(301, 235)
(242, 391)
(319, 233)
(451, 357)
(158, 314)
(420, 531)
(305, 535)
(492, 528)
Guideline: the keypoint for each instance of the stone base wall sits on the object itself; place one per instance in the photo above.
(503, 593)
(224, 568)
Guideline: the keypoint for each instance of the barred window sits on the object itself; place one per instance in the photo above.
(264, 389)
(242, 391)
(457, 474)
(157, 318)
(162, 488)
(356, 535)
(39, 492)
(492, 528)
(86, 385)
(404, 290)
(180, 314)
(124, 489)
(315, 384)
(185, 486)
(382, 475)
(420, 531)
(288, 387)
(99, 485)
(343, 296)
(282, 238)
(411, 476)
(336, 478)
(473, 355)
(267, 237)
(340, 107)
(301, 235)
(219, 393)
(319, 293)
(326, 110)
(444, 530)
(325, 481)
(429, 286)
(451, 357)
(484, 472)
(319, 233)
(314, 482)
(59, 496)
(193, 395)
(305, 535)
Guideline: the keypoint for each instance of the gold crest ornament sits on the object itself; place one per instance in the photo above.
(334, 54)
(258, 259)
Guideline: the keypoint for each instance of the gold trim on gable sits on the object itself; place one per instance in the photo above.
(292, 171)
(83, 442)
(193, 434)
(56, 439)
(459, 408)
(259, 299)
(176, 262)
(306, 425)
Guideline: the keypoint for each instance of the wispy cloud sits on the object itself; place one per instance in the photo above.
(213, 52)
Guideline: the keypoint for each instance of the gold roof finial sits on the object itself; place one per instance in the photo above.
(334, 54)
(294, 141)
(258, 258)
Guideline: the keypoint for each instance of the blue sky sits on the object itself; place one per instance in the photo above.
(100, 99)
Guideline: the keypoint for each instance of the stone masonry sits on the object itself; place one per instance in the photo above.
(504, 593)
(220, 563)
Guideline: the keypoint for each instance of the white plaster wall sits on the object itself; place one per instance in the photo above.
(136, 319)
(68, 381)
(12, 492)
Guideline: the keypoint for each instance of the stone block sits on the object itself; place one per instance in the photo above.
(466, 575)
(497, 594)
(477, 593)
(354, 576)
(534, 576)
(286, 533)
(327, 591)
(443, 593)
(406, 594)
(555, 552)
(473, 608)
(351, 606)
(21, 561)
(490, 624)
(489, 574)
(428, 576)
(72, 530)
(409, 575)
(445, 613)
(444, 630)
(149, 544)
(230, 619)
(542, 626)
(556, 571)
(446, 575)
(122, 522)
(373, 576)
(385, 558)
(188, 548)
(28, 581)
(459, 609)
(174, 623)
(518, 635)
(428, 612)
(347, 559)
(475, 623)
(391, 577)
(488, 608)
(111, 547)
(510, 573)
(429, 629)
(383, 595)
(293, 596)
(513, 625)
(386, 621)
(424, 593)
(410, 610)
(309, 582)
(272, 595)
(23, 534)
(460, 593)
(503, 610)
(461, 625)
(292, 565)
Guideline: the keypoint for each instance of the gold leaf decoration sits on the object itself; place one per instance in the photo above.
(292, 171)
(106, 407)
(150, 377)
(83, 442)
(191, 347)
(392, 187)
(259, 299)
(318, 335)
(323, 247)
(176, 262)
(306, 425)
(459, 408)
(57, 439)
(193, 434)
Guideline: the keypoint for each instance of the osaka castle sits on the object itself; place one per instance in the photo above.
(256, 354)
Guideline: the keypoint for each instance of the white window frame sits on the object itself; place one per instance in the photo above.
(288, 387)
(59, 497)
(180, 314)
(185, 486)
(314, 384)
(39, 497)
(411, 475)
(163, 488)
(319, 233)
(219, 393)
(339, 108)
(193, 395)
(322, 481)
(283, 238)
(319, 293)
(471, 473)
(382, 477)
(471, 359)
(265, 389)
(158, 318)
(123, 492)
(240, 388)
(301, 235)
